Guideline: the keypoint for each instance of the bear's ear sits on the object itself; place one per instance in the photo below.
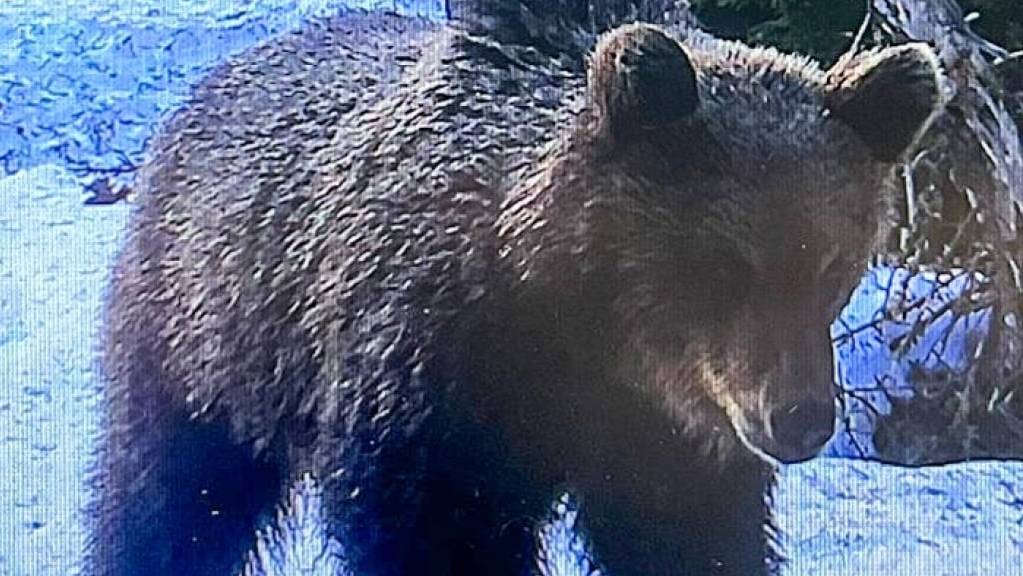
(887, 96)
(640, 78)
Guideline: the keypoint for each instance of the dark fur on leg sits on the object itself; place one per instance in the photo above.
(181, 499)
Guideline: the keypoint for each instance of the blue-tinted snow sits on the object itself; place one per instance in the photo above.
(83, 85)
(859, 518)
(865, 365)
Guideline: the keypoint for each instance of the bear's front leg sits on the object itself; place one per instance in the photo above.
(692, 522)
(451, 504)
(174, 497)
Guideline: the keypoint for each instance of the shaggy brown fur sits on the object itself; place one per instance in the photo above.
(434, 270)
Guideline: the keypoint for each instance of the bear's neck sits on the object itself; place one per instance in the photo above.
(559, 280)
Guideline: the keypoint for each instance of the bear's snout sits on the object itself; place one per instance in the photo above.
(799, 414)
(800, 430)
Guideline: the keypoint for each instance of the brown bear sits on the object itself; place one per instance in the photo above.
(451, 273)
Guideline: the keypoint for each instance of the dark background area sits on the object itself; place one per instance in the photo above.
(824, 28)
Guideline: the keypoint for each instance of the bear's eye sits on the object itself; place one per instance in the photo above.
(727, 275)
(724, 278)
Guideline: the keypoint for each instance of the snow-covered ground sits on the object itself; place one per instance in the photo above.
(83, 84)
(54, 256)
(859, 518)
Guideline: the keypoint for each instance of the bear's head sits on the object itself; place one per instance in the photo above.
(720, 203)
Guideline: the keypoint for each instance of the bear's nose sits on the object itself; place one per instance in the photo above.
(801, 429)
